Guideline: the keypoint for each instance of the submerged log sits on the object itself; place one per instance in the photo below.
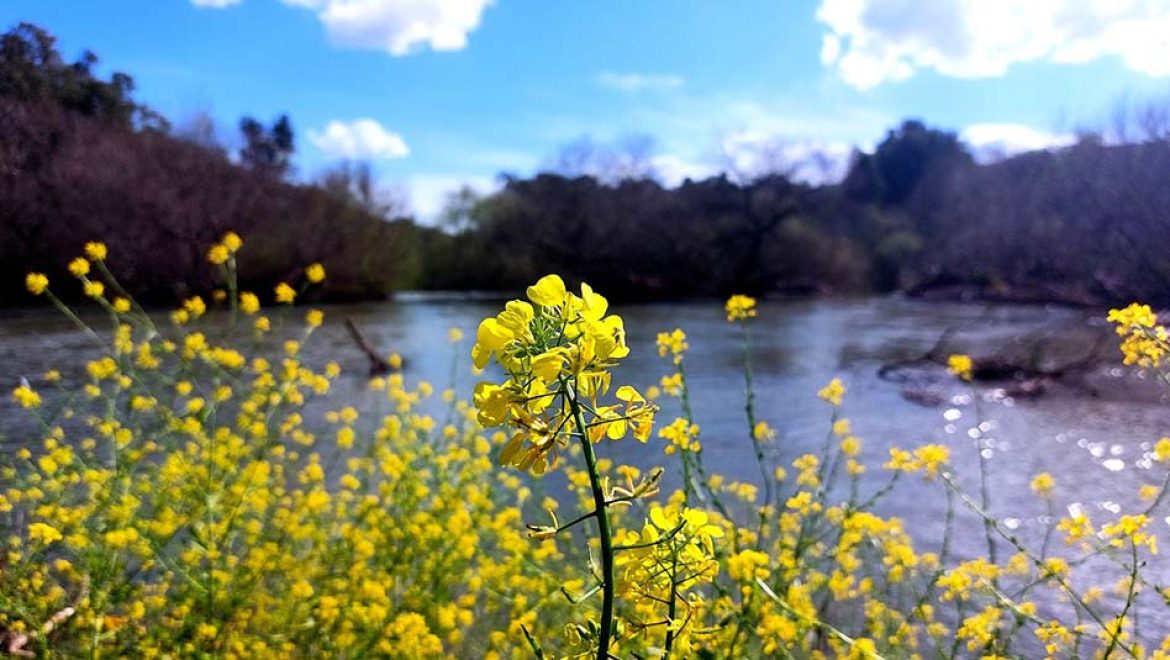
(378, 365)
(1027, 375)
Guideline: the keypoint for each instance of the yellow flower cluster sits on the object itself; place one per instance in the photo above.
(740, 308)
(674, 344)
(682, 436)
(1144, 341)
(228, 246)
(961, 366)
(928, 459)
(556, 351)
(36, 283)
(833, 392)
(672, 555)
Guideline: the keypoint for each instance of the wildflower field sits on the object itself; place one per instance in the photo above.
(186, 501)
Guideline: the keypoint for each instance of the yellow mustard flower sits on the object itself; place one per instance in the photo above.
(218, 254)
(1042, 484)
(79, 267)
(26, 396)
(740, 307)
(834, 392)
(36, 283)
(960, 365)
(249, 303)
(95, 250)
(285, 293)
(232, 242)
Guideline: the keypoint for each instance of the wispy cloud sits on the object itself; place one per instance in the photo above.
(871, 42)
(427, 194)
(994, 141)
(631, 83)
(363, 139)
(399, 27)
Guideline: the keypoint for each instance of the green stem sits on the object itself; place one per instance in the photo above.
(703, 485)
(1115, 634)
(750, 408)
(603, 531)
(672, 611)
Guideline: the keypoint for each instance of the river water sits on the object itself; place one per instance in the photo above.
(1096, 443)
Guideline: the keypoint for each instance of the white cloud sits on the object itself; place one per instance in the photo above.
(995, 141)
(427, 194)
(631, 83)
(215, 4)
(747, 154)
(399, 27)
(362, 139)
(875, 41)
(673, 169)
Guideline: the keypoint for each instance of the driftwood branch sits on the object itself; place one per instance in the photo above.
(937, 354)
(378, 366)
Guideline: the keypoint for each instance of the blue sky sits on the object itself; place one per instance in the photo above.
(435, 93)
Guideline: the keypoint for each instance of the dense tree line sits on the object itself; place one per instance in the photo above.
(1083, 224)
(81, 159)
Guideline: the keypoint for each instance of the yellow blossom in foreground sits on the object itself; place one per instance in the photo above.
(1135, 315)
(285, 293)
(833, 392)
(93, 289)
(218, 254)
(1042, 484)
(195, 306)
(26, 396)
(672, 343)
(249, 303)
(43, 533)
(314, 318)
(740, 307)
(121, 305)
(36, 283)
(79, 267)
(960, 365)
(928, 459)
(95, 250)
(762, 431)
(1145, 342)
(1162, 451)
(315, 273)
(232, 242)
